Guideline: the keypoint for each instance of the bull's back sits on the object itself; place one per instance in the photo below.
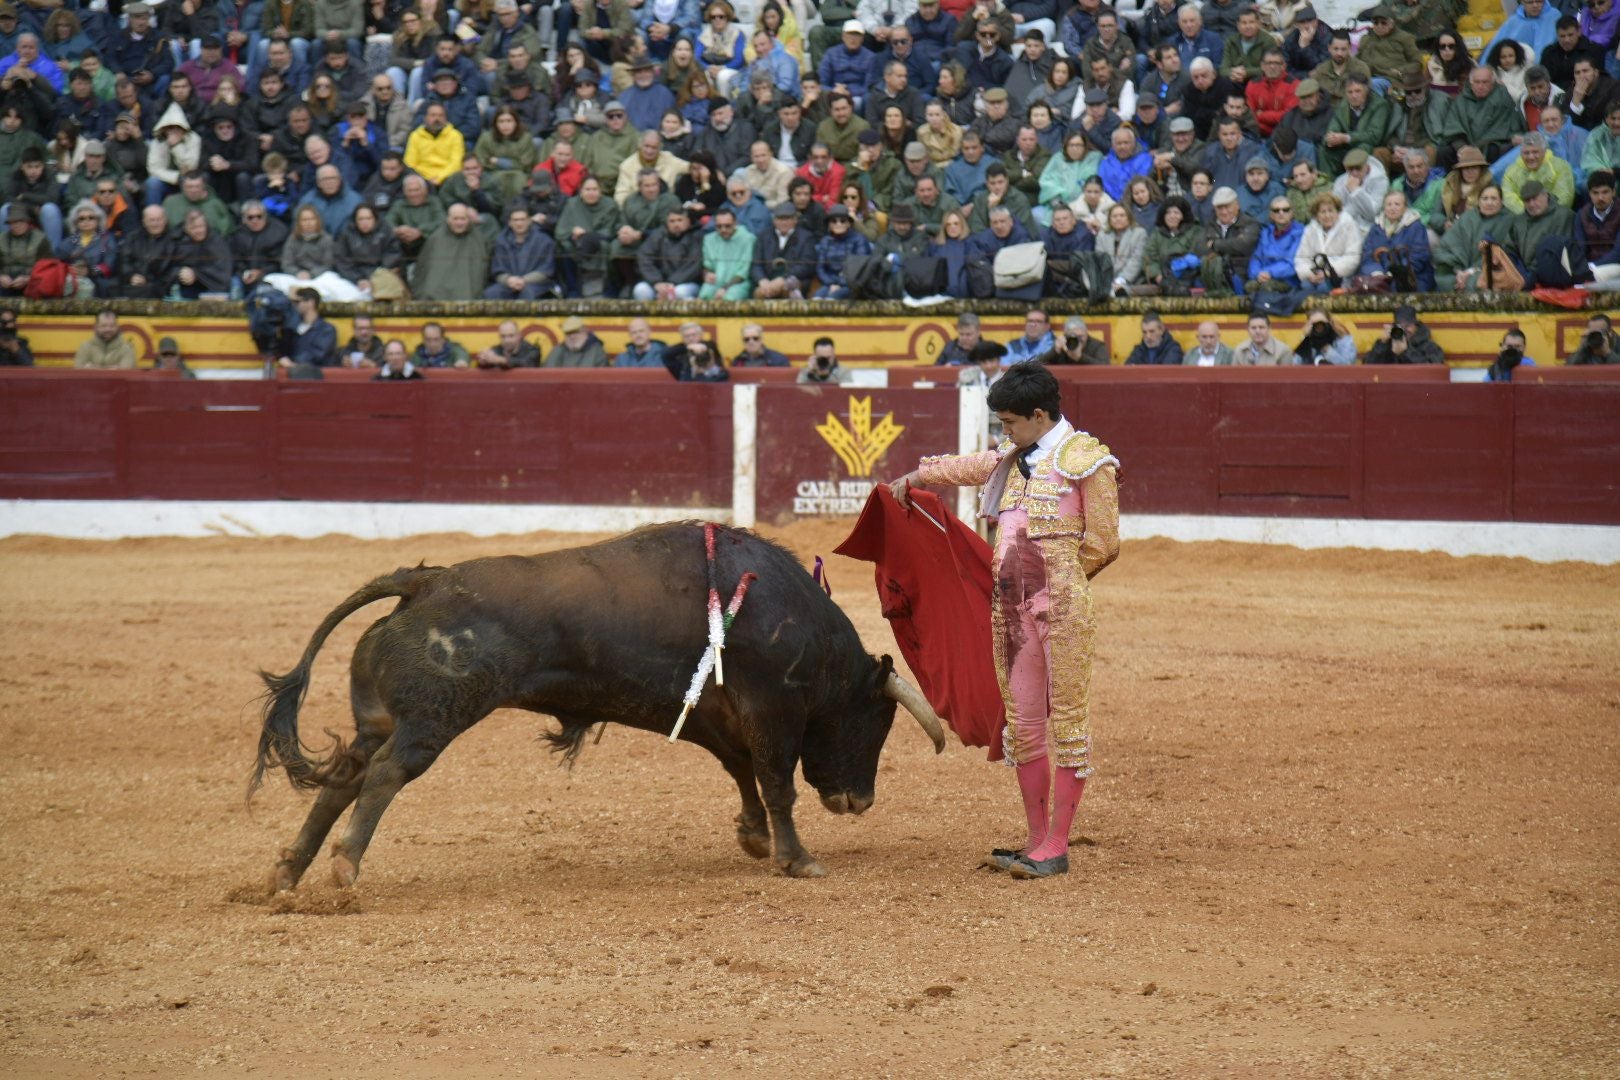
(638, 601)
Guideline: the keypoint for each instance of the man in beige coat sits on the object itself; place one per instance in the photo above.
(107, 348)
(1262, 347)
(650, 154)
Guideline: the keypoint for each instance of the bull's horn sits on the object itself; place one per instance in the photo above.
(917, 705)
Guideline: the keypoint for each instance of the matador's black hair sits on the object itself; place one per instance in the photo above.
(1025, 387)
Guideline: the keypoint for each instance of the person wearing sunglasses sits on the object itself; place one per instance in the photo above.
(755, 353)
(1271, 267)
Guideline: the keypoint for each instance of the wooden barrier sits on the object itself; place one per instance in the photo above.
(1363, 442)
(210, 339)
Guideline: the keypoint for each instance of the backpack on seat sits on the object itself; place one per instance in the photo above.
(50, 279)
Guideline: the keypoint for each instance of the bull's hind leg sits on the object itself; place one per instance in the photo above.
(753, 830)
(406, 755)
(331, 802)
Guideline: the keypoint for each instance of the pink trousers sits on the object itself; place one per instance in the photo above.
(1041, 618)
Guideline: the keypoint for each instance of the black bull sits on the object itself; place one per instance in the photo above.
(606, 633)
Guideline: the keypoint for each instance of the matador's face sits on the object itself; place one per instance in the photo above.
(1024, 431)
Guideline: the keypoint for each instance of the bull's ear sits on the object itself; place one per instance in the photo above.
(885, 665)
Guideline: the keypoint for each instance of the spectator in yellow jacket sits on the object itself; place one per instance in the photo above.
(435, 150)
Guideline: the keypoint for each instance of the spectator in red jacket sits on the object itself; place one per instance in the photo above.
(1273, 94)
(824, 174)
(565, 167)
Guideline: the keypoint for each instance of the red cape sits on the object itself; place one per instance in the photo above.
(935, 591)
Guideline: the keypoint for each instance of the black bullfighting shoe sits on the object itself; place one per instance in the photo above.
(1000, 858)
(1026, 868)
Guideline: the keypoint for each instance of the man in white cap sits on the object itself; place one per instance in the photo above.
(847, 67)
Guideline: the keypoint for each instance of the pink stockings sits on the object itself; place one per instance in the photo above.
(1063, 793)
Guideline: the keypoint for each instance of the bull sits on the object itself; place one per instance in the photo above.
(608, 633)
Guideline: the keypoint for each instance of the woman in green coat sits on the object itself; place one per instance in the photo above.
(1066, 174)
(585, 232)
(1177, 233)
(508, 153)
(1457, 259)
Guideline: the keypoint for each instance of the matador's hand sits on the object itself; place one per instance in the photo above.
(900, 488)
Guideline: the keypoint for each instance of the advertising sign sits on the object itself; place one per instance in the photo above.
(821, 449)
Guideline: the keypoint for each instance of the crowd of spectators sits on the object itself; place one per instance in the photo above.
(1324, 340)
(311, 344)
(666, 149)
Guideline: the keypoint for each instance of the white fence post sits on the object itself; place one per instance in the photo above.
(744, 458)
(972, 433)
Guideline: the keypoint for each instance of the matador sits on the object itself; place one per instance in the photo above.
(1053, 492)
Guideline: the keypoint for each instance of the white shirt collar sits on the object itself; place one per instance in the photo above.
(1052, 439)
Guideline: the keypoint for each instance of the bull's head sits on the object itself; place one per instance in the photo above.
(840, 757)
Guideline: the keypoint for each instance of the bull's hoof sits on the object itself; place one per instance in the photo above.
(755, 839)
(805, 866)
(283, 878)
(344, 870)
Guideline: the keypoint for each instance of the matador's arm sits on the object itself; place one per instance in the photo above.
(1099, 546)
(958, 470)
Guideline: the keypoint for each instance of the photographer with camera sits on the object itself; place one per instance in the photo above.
(1599, 345)
(696, 358)
(1076, 346)
(1406, 341)
(823, 366)
(1510, 357)
(1326, 341)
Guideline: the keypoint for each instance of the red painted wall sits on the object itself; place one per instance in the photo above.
(1305, 443)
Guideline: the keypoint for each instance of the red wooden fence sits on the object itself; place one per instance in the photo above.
(1355, 443)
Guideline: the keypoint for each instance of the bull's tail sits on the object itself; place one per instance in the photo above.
(279, 745)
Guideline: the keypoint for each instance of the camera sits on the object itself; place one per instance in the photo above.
(1397, 333)
(1595, 342)
(1071, 341)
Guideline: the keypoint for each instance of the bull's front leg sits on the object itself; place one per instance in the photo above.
(776, 785)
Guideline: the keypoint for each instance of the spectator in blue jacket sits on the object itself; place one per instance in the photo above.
(85, 108)
(841, 242)
(848, 67)
(954, 249)
(933, 34)
(1260, 186)
(1194, 41)
(460, 105)
(446, 54)
(314, 339)
(964, 177)
(1003, 230)
(1157, 346)
(774, 60)
(1125, 159)
(142, 52)
(921, 72)
(333, 199)
(1399, 239)
(646, 99)
(641, 350)
(986, 62)
(1272, 264)
(524, 264)
(294, 70)
(1037, 339)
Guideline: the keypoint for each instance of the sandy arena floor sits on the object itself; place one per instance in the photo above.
(1356, 816)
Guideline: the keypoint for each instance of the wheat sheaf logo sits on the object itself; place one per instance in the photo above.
(860, 445)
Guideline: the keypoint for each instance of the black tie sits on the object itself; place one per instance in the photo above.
(1023, 459)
